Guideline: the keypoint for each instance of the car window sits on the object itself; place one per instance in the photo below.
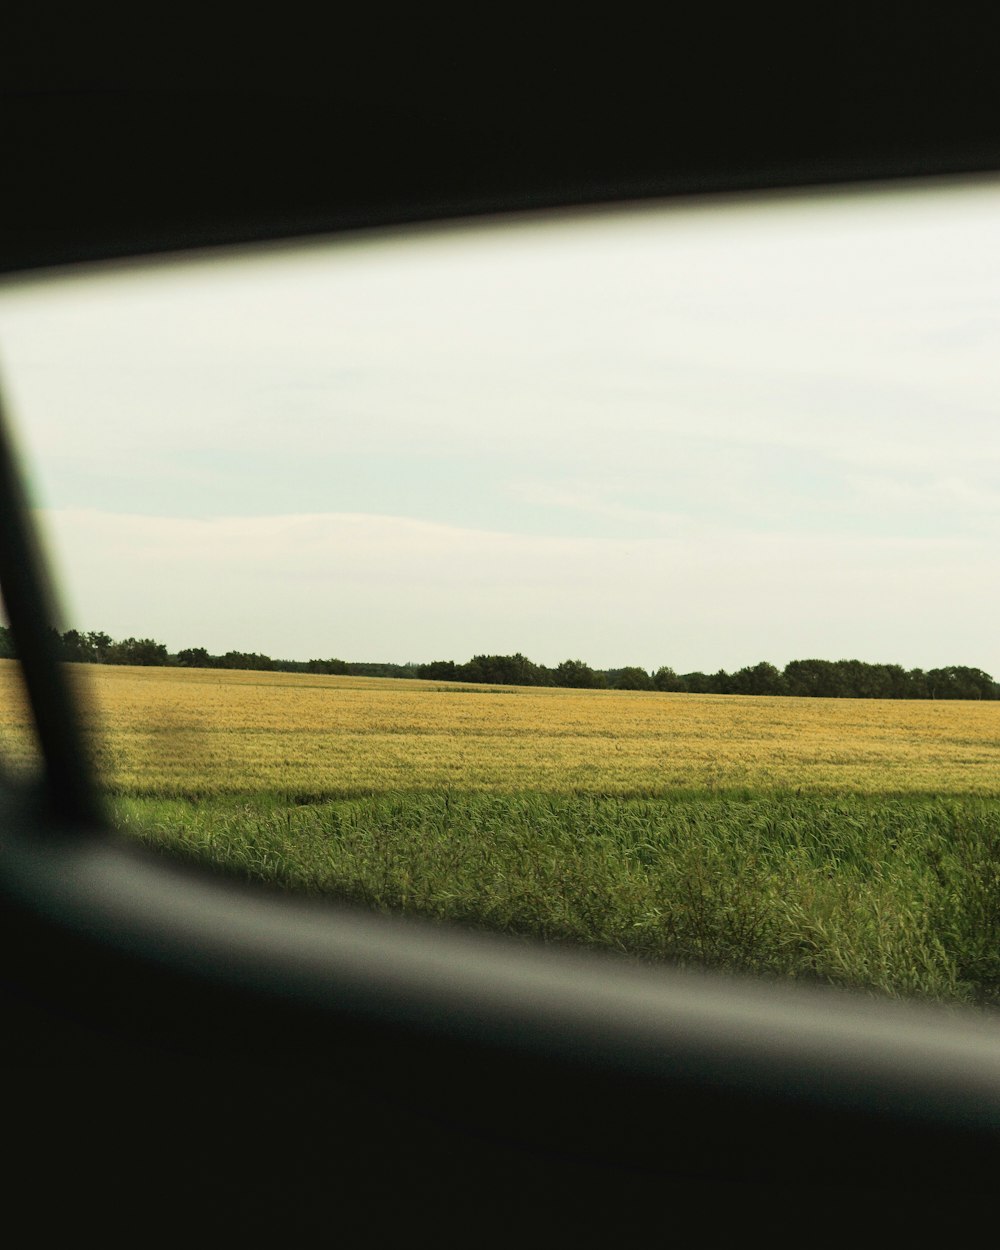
(617, 578)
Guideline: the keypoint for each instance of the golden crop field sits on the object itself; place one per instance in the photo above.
(165, 731)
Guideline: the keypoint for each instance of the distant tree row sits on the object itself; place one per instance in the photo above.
(198, 657)
(100, 648)
(828, 679)
(837, 679)
(96, 648)
(832, 679)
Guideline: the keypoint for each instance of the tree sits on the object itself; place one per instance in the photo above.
(813, 678)
(762, 678)
(722, 682)
(959, 682)
(194, 657)
(632, 678)
(575, 674)
(899, 684)
(101, 645)
(666, 679)
(916, 680)
(77, 648)
(143, 651)
(501, 670)
(327, 667)
(438, 670)
(247, 660)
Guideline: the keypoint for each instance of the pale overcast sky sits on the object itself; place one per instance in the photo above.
(695, 436)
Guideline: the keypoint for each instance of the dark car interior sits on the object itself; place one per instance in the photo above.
(190, 1055)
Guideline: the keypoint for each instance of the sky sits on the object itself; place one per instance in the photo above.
(696, 435)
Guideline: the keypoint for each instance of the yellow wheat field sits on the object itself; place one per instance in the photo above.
(194, 731)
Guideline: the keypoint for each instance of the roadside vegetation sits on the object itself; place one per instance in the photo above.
(895, 897)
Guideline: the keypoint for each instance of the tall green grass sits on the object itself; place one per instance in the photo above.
(895, 896)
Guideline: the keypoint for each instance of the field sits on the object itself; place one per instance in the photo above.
(853, 842)
(196, 733)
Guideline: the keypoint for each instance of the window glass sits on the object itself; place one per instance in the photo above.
(621, 577)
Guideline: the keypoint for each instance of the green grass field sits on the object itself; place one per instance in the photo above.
(894, 896)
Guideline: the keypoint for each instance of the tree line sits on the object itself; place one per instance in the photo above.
(829, 679)
(837, 679)
(97, 647)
